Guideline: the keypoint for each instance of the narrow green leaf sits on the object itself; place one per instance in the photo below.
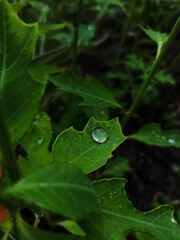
(37, 5)
(20, 94)
(94, 93)
(36, 143)
(120, 3)
(153, 135)
(60, 188)
(91, 148)
(120, 217)
(72, 227)
(48, 27)
(26, 231)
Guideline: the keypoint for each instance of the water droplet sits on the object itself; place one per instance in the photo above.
(173, 220)
(90, 27)
(171, 141)
(99, 135)
(40, 140)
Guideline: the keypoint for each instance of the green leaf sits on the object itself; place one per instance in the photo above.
(26, 231)
(37, 5)
(86, 33)
(94, 93)
(101, 114)
(60, 188)
(63, 37)
(36, 143)
(135, 63)
(120, 3)
(48, 27)
(41, 73)
(119, 217)
(117, 167)
(91, 148)
(72, 227)
(153, 135)
(20, 94)
(159, 38)
(164, 78)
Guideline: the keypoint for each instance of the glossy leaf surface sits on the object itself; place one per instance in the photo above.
(94, 93)
(85, 149)
(120, 217)
(36, 143)
(20, 94)
(153, 135)
(60, 188)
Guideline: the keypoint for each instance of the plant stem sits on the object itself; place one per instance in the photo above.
(155, 65)
(125, 32)
(76, 33)
(6, 149)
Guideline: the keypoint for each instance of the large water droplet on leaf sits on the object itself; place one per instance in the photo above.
(99, 135)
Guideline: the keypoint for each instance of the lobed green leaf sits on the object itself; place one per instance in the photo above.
(81, 149)
(120, 217)
(94, 93)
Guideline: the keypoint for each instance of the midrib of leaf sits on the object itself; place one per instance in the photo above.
(78, 91)
(83, 153)
(21, 52)
(99, 98)
(155, 226)
(56, 185)
(4, 48)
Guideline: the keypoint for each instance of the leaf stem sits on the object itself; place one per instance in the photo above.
(76, 34)
(125, 32)
(42, 19)
(8, 155)
(155, 65)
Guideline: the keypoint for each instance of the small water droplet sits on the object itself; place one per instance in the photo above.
(40, 140)
(171, 141)
(89, 27)
(173, 220)
(99, 135)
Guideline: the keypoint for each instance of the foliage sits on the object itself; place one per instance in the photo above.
(47, 166)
